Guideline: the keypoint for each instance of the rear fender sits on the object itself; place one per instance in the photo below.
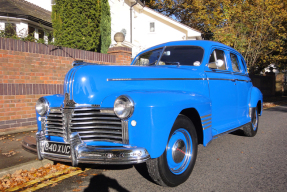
(255, 97)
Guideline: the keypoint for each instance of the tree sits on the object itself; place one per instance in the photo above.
(76, 24)
(105, 26)
(256, 28)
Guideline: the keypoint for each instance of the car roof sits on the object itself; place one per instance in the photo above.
(205, 44)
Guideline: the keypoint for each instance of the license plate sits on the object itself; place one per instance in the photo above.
(58, 148)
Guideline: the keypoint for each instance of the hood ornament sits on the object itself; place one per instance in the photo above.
(68, 102)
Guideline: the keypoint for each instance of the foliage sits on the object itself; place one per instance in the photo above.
(256, 28)
(105, 26)
(76, 24)
(24, 179)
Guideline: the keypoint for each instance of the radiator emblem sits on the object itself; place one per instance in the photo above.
(68, 102)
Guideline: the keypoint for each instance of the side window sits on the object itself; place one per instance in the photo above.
(148, 58)
(243, 64)
(234, 62)
(216, 55)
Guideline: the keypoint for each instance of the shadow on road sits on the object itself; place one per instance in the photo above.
(238, 132)
(104, 183)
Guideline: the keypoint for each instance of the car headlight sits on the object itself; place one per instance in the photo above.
(42, 106)
(124, 107)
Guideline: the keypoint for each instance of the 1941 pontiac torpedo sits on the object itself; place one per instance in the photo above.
(173, 97)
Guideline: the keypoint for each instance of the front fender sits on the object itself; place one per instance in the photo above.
(155, 113)
(255, 97)
(54, 101)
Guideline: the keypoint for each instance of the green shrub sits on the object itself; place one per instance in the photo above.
(105, 26)
(76, 24)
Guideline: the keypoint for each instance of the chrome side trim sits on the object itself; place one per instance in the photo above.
(221, 79)
(206, 120)
(125, 130)
(205, 116)
(155, 79)
(206, 123)
(243, 80)
(206, 127)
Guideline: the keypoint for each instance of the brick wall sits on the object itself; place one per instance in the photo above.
(29, 73)
(123, 55)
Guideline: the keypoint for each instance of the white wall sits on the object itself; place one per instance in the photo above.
(120, 18)
(164, 31)
(22, 29)
(45, 4)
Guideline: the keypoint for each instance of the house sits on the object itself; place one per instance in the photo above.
(142, 26)
(24, 18)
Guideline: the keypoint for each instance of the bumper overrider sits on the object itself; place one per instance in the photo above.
(79, 152)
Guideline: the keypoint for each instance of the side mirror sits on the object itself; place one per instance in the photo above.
(219, 63)
(215, 65)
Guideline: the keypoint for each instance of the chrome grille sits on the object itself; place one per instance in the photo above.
(92, 124)
(54, 123)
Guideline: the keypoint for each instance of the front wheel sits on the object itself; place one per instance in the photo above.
(175, 165)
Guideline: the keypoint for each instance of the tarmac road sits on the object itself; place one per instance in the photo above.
(230, 163)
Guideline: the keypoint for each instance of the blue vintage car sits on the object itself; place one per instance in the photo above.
(173, 97)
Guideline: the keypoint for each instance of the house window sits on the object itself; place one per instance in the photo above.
(151, 27)
(31, 31)
(10, 29)
(41, 34)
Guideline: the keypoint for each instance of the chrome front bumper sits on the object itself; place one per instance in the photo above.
(81, 153)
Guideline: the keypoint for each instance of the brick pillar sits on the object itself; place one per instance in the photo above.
(123, 55)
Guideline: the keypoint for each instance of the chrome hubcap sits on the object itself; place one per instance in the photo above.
(255, 120)
(179, 151)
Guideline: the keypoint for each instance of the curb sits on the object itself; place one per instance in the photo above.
(8, 132)
(25, 166)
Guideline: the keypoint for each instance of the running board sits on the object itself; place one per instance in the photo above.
(229, 131)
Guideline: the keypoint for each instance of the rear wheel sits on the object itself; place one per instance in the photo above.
(175, 165)
(251, 129)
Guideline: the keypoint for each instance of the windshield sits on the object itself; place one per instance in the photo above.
(175, 55)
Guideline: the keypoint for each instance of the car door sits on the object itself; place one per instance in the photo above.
(223, 92)
(243, 85)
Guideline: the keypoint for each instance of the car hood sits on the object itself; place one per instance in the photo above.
(90, 84)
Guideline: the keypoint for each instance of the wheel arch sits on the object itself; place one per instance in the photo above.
(194, 116)
(256, 98)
